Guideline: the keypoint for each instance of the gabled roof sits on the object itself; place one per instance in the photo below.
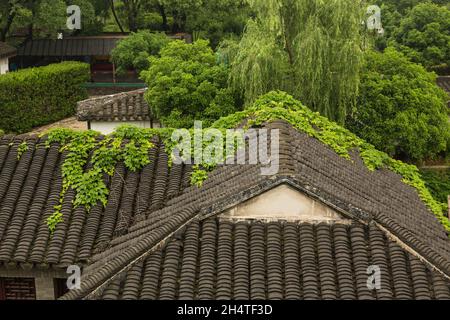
(7, 51)
(126, 106)
(146, 211)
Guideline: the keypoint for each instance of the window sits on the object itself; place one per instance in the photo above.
(60, 287)
(17, 289)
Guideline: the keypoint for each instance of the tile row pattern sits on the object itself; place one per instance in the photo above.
(143, 206)
(219, 259)
(30, 188)
(6, 50)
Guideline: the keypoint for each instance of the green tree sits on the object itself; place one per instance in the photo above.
(401, 110)
(44, 18)
(311, 49)
(424, 35)
(91, 21)
(134, 51)
(49, 17)
(186, 84)
(215, 20)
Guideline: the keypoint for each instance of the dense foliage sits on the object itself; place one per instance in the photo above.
(186, 84)
(45, 18)
(438, 181)
(38, 96)
(205, 19)
(133, 52)
(417, 28)
(401, 110)
(311, 49)
(424, 35)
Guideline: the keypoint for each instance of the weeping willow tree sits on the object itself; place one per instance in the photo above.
(308, 48)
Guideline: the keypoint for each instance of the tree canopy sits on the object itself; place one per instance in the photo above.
(424, 35)
(401, 110)
(134, 51)
(311, 49)
(185, 84)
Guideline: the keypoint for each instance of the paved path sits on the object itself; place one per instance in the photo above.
(70, 123)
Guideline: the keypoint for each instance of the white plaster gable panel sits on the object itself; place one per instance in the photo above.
(283, 202)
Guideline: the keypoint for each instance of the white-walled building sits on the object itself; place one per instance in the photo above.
(104, 114)
(6, 52)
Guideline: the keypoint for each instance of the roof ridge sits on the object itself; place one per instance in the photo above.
(96, 107)
(421, 250)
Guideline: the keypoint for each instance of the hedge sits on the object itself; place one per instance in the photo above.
(37, 96)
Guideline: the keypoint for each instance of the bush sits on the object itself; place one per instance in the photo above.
(186, 84)
(38, 96)
(133, 52)
(401, 110)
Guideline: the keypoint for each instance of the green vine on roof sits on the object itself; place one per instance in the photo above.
(281, 106)
(21, 149)
(89, 157)
(127, 144)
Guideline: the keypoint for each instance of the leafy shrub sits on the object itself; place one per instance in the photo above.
(186, 84)
(38, 96)
(401, 110)
(133, 52)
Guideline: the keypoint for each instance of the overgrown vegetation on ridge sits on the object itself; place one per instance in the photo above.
(131, 145)
(279, 105)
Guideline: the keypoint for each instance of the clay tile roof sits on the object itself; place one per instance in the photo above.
(6, 50)
(215, 259)
(126, 106)
(155, 221)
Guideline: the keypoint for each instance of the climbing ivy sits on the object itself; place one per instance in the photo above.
(127, 144)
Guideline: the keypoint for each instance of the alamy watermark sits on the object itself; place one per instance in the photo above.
(373, 22)
(74, 280)
(374, 279)
(74, 17)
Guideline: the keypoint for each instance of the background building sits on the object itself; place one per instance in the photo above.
(6, 52)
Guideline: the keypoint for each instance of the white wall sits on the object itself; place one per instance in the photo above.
(4, 66)
(107, 127)
(283, 202)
